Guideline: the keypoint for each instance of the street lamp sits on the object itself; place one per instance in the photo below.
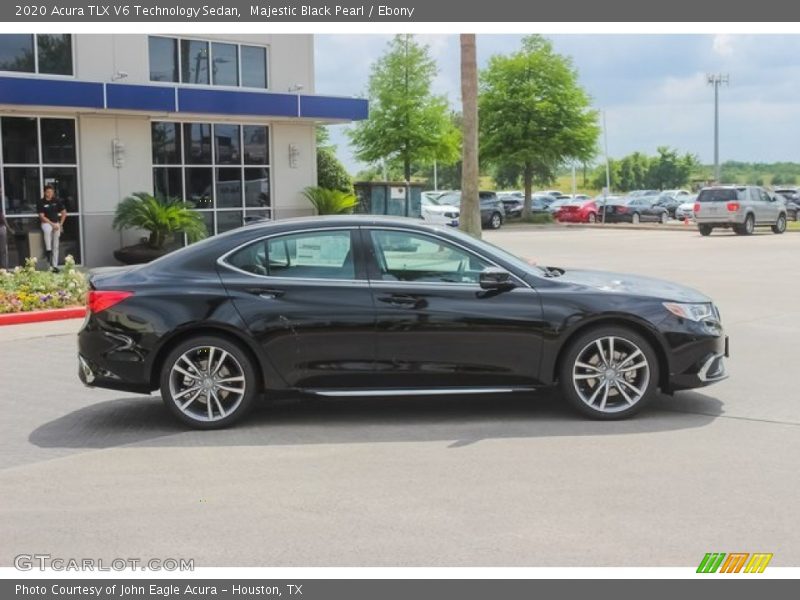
(716, 80)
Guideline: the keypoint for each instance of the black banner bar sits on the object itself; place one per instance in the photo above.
(402, 11)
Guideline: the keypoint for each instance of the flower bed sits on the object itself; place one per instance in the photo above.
(25, 289)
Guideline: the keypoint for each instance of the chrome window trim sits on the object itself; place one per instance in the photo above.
(379, 283)
(447, 241)
(222, 262)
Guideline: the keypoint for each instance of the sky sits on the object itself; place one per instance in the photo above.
(652, 88)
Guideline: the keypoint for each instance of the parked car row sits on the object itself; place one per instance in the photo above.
(444, 208)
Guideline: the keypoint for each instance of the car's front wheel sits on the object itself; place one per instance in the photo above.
(609, 373)
(592, 218)
(664, 218)
(780, 225)
(495, 221)
(208, 382)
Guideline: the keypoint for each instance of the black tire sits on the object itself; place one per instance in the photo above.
(780, 225)
(495, 221)
(705, 230)
(581, 344)
(747, 227)
(635, 219)
(236, 358)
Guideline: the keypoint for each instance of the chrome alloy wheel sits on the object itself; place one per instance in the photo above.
(207, 383)
(611, 374)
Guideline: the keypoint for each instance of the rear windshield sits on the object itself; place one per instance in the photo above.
(720, 195)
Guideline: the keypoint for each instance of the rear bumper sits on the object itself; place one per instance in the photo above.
(92, 375)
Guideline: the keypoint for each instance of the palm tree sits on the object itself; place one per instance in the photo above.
(330, 202)
(162, 217)
(470, 219)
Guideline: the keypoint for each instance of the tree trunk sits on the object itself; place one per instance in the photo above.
(470, 218)
(527, 175)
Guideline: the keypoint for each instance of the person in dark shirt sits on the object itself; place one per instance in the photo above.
(4, 229)
(52, 214)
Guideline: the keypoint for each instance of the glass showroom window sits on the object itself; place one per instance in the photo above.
(202, 62)
(221, 168)
(48, 54)
(37, 152)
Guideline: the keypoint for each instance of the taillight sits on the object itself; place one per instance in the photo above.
(622, 209)
(696, 207)
(99, 300)
(733, 206)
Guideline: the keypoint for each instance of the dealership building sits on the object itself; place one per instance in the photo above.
(226, 122)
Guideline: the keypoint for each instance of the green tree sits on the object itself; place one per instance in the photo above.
(669, 170)
(407, 122)
(534, 114)
(331, 173)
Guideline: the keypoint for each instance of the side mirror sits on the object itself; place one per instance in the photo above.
(495, 278)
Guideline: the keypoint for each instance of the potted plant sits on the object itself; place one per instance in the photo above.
(330, 202)
(163, 218)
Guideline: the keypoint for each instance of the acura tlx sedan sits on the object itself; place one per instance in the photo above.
(373, 306)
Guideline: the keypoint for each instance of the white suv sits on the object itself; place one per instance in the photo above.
(740, 207)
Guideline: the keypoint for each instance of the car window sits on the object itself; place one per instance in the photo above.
(413, 257)
(764, 196)
(312, 255)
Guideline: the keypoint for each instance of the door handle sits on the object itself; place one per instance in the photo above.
(403, 300)
(266, 294)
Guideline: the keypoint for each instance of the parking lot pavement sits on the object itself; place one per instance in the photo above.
(511, 480)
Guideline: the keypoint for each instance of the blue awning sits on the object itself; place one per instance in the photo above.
(69, 93)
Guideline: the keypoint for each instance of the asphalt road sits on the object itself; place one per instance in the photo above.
(487, 481)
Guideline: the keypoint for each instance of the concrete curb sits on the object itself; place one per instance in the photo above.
(38, 316)
(600, 226)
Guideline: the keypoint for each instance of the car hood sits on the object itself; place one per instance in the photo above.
(440, 209)
(621, 283)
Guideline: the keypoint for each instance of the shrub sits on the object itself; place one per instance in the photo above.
(24, 288)
(161, 217)
(330, 202)
(539, 218)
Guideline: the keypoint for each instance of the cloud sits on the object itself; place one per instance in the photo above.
(723, 44)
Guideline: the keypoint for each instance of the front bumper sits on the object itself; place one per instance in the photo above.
(702, 363)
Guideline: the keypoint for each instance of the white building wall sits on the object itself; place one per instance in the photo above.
(104, 57)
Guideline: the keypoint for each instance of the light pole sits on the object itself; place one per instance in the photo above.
(716, 80)
(608, 170)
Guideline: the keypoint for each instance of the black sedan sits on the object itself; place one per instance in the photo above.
(375, 306)
(636, 210)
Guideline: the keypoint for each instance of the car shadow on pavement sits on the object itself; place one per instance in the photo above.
(458, 421)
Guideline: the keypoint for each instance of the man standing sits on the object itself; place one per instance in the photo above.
(52, 214)
(4, 229)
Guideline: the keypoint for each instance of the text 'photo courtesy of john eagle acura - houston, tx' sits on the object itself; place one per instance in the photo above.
(377, 306)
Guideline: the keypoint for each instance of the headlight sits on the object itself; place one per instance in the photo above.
(693, 311)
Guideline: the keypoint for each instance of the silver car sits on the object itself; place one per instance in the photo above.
(738, 207)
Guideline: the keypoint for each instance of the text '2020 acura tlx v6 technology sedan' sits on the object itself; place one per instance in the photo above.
(372, 306)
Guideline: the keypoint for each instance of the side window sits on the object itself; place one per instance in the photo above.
(313, 255)
(251, 258)
(764, 196)
(407, 256)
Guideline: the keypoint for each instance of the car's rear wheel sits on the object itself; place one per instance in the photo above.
(495, 221)
(664, 218)
(609, 373)
(635, 218)
(780, 225)
(208, 382)
(747, 227)
(705, 229)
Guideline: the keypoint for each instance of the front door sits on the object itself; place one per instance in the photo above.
(436, 328)
(305, 298)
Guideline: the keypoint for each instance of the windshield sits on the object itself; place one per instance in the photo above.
(720, 195)
(428, 201)
(450, 199)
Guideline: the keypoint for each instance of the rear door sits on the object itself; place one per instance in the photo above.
(304, 297)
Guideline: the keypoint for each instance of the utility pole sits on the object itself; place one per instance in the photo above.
(717, 80)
